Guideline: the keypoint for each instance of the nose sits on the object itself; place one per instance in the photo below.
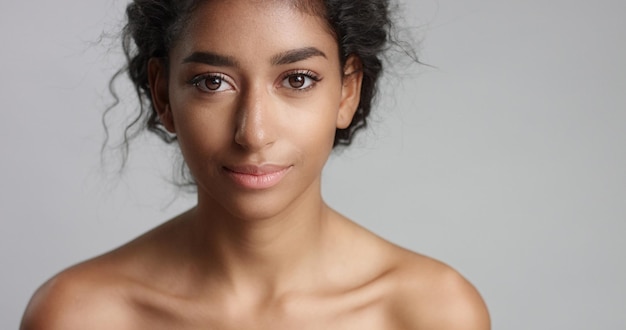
(255, 124)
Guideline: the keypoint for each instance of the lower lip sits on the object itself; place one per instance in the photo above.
(257, 181)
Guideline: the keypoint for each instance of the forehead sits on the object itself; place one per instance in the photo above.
(256, 28)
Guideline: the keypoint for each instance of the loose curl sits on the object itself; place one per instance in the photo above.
(362, 28)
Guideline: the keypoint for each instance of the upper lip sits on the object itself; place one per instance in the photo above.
(252, 169)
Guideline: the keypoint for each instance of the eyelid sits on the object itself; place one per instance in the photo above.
(196, 80)
(301, 72)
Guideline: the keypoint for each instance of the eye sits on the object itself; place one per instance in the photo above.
(300, 80)
(212, 83)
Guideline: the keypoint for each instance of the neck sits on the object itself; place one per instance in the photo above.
(267, 254)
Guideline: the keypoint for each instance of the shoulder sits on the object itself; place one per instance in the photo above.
(419, 292)
(111, 291)
(428, 294)
(77, 298)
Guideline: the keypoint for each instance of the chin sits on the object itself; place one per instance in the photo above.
(256, 208)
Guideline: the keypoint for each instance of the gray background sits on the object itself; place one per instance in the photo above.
(507, 160)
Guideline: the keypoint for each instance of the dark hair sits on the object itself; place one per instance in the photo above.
(362, 28)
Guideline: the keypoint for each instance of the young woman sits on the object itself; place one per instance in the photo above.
(257, 94)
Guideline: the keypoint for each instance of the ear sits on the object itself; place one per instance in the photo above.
(159, 91)
(350, 91)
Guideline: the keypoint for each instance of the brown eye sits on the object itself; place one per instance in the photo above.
(212, 83)
(300, 81)
(297, 81)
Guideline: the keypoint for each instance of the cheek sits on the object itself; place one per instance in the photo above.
(313, 123)
(201, 129)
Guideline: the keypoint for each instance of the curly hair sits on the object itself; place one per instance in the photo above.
(362, 28)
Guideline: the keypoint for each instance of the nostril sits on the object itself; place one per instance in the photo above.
(254, 124)
(253, 132)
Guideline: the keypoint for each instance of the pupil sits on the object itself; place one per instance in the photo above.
(214, 83)
(296, 81)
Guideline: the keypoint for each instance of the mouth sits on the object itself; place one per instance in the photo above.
(255, 177)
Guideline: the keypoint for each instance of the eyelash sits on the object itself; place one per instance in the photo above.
(307, 74)
(197, 81)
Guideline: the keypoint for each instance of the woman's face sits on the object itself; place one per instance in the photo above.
(254, 94)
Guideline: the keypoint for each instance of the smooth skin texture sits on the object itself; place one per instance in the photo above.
(255, 102)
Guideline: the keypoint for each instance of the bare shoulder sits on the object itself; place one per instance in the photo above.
(429, 294)
(421, 292)
(106, 292)
(77, 298)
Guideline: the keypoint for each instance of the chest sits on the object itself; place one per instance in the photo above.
(326, 315)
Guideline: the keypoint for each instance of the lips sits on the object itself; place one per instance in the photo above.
(256, 177)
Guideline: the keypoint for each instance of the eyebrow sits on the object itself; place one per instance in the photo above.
(296, 55)
(288, 57)
(210, 59)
